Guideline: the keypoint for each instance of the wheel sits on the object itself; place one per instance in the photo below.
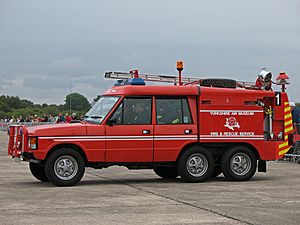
(65, 167)
(38, 171)
(196, 164)
(215, 82)
(239, 163)
(166, 171)
(217, 171)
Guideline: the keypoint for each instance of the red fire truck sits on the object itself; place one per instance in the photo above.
(194, 129)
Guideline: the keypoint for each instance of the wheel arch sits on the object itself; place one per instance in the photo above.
(248, 145)
(186, 147)
(68, 145)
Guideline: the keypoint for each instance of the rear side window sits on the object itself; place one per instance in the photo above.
(172, 111)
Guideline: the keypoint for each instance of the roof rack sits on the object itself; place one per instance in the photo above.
(149, 77)
(169, 79)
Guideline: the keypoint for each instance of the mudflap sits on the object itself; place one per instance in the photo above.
(262, 166)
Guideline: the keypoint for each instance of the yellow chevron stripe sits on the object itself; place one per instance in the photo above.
(288, 122)
(286, 137)
(288, 116)
(286, 103)
(284, 144)
(288, 129)
(287, 109)
(282, 152)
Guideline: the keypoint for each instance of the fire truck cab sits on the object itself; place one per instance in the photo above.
(191, 131)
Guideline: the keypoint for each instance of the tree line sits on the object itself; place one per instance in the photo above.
(14, 106)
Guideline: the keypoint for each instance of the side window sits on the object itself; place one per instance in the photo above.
(133, 111)
(172, 111)
(118, 115)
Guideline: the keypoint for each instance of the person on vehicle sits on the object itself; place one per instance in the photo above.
(167, 113)
(140, 113)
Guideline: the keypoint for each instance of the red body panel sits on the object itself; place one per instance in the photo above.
(220, 115)
(154, 90)
(124, 144)
(170, 139)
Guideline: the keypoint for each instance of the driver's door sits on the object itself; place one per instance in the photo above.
(129, 131)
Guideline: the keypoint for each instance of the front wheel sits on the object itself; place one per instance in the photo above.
(65, 167)
(196, 164)
(239, 163)
(166, 172)
(38, 171)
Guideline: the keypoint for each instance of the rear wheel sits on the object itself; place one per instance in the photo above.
(239, 163)
(65, 167)
(166, 172)
(195, 164)
(38, 171)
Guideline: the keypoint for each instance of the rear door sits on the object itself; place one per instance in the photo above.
(174, 127)
(129, 131)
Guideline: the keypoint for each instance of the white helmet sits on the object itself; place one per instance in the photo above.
(292, 104)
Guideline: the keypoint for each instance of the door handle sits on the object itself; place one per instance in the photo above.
(188, 131)
(146, 132)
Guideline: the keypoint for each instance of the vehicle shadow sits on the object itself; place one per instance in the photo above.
(132, 181)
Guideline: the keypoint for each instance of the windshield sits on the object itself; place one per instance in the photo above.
(101, 108)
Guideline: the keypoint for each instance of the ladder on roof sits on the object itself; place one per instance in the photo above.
(168, 79)
(150, 77)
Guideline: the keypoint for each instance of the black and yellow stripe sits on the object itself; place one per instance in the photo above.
(288, 128)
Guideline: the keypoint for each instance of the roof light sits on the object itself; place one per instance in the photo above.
(179, 65)
(282, 80)
(134, 81)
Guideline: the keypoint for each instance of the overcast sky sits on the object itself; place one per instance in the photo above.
(45, 43)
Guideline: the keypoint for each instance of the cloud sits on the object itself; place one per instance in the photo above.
(4, 82)
(44, 45)
(47, 82)
(71, 66)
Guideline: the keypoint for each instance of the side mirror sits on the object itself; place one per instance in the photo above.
(111, 122)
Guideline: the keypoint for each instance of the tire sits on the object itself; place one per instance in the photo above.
(166, 172)
(239, 163)
(65, 167)
(217, 171)
(221, 83)
(196, 164)
(38, 171)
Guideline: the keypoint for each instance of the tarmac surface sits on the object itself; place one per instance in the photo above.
(120, 196)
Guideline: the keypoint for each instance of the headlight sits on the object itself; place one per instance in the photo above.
(33, 143)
